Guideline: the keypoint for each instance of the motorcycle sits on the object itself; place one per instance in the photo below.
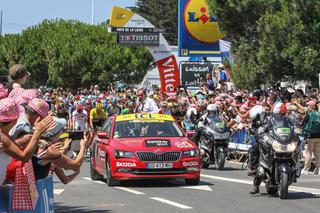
(213, 144)
(280, 151)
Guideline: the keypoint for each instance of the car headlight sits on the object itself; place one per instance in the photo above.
(191, 153)
(278, 147)
(123, 154)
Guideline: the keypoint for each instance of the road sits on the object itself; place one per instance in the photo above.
(219, 191)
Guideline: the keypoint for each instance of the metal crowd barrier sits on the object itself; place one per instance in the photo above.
(45, 202)
(240, 142)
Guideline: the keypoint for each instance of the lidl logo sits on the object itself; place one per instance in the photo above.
(199, 23)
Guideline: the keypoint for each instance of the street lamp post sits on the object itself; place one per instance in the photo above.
(92, 11)
(1, 23)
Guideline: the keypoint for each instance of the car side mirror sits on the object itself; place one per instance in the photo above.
(190, 134)
(102, 135)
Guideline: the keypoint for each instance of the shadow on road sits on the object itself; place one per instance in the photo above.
(158, 183)
(61, 208)
(291, 196)
(301, 195)
(224, 169)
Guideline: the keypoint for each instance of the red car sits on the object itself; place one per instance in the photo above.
(143, 146)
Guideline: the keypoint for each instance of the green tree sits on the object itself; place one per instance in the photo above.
(73, 54)
(162, 14)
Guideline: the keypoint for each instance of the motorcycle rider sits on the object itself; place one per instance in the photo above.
(278, 115)
(257, 116)
(212, 114)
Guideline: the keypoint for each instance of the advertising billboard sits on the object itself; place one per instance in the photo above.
(199, 32)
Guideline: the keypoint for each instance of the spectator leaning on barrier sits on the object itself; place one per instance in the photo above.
(9, 114)
(48, 153)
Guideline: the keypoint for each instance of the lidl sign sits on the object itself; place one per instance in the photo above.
(199, 32)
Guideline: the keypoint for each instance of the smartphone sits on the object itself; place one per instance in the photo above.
(76, 135)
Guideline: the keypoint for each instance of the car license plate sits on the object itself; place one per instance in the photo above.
(160, 165)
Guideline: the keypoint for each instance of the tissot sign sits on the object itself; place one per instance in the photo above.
(138, 39)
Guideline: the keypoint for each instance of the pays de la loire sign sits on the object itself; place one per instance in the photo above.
(135, 30)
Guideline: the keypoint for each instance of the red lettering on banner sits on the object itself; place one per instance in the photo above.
(169, 74)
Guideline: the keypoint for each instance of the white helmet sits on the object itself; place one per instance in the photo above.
(257, 112)
(190, 111)
(212, 108)
(279, 108)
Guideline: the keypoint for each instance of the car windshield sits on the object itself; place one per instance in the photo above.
(135, 129)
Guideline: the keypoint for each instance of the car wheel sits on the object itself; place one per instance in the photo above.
(94, 174)
(110, 180)
(192, 182)
(220, 161)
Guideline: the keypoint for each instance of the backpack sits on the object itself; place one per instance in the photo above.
(313, 124)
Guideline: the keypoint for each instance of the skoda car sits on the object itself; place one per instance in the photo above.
(143, 146)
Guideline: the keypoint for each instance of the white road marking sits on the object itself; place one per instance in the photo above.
(58, 191)
(129, 190)
(226, 179)
(89, 179)
(234, 162)
(205, 188)
(169, 202)
(291, 188)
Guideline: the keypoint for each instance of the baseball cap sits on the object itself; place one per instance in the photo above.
(18, 71)
(312, 103)
(9, 110)
(39, 106)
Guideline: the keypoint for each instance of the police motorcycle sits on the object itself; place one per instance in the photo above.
(280, 150)
(213, 143)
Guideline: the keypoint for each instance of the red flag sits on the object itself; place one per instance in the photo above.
(169, 74)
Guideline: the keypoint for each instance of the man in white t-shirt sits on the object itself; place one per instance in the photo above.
(80, 118)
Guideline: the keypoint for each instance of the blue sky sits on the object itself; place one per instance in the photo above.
(20, 14)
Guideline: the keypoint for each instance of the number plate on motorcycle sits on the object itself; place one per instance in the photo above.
(220, 125)
(284, 131)
(159, 165)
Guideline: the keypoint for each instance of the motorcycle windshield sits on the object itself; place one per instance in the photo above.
(282, 131)
(218, 126)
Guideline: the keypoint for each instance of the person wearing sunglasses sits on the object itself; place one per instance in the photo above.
(145, 104)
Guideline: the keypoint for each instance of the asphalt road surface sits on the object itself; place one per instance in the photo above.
(219, 191)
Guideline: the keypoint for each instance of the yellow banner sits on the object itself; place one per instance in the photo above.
(145, 117)
(120, 17)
